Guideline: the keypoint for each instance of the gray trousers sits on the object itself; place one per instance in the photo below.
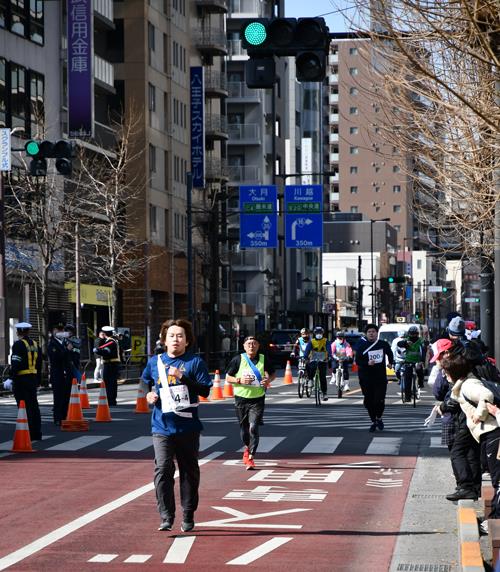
(185, 448)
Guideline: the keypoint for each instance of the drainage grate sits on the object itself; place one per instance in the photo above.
(409, 567)
(427, 496)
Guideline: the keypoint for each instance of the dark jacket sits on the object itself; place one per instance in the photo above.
(378, 370)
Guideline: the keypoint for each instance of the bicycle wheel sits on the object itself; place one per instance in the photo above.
(340, 381)
(317, 389)
(301, 383)
(402, 383)
(414, 389)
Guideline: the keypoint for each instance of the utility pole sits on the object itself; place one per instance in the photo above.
(360, 297)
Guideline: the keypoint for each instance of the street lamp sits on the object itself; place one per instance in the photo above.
(372, 220)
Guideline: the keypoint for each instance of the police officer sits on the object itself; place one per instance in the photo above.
(60, 372)
(26, 372)
(110, 354)
(73, 345)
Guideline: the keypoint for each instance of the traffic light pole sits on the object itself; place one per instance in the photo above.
(4, 339)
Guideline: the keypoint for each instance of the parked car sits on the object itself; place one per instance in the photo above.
(281, 344)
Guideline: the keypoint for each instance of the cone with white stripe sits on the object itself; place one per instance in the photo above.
(228, 389)
(22, 440)
(288, 374)
(84, 396)
(217, 389)
(141, 404)
(74, 420)
(103, 414)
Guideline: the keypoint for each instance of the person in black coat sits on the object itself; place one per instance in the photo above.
(372, 355)
(60, 372)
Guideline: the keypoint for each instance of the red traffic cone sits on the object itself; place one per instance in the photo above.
(22, 440)
(74, 420)
(228, 389)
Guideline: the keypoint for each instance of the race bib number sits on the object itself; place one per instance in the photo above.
(376, 356)
(318, 356)
(174, 398)
(250, 374)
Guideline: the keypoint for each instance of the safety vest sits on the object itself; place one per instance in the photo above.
(414, 351)
(32, 353)
(249, 391)
(319, 352)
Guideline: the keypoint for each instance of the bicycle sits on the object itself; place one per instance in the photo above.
(339, 378)
(409, 375)
(314, 385)
(302, 378)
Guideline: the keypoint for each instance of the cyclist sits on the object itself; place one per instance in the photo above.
(341, 356)
(301, 343)
(416, 349)
(318, 352)
(399, 353)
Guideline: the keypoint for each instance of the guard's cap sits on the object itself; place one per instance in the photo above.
(70, 327)
(108, 329)
(23, 326)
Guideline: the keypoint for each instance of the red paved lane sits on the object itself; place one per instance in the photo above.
(333, 516)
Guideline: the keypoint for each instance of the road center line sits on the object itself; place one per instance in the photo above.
(65, 530)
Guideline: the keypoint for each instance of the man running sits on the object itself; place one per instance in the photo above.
(251, 373)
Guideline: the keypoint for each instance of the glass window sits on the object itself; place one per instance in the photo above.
(18, 95)
(17, 17)
(396, 169)
(353, 110)
(396, 208)
(151, 97)
(354, 150)
(153, 219)
(353, 51)
(3, 13)
(353, 170)
(353, 130)
(354, 190)
(37, 86)
(353, 71)
(354, 209)
(151, 37)
(376, 189)
(36, 21)
(353, 91)
(396, 188)
(152, 159)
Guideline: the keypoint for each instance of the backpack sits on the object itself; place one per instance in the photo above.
(494, 387)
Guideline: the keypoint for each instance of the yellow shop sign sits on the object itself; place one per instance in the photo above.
(89, 294)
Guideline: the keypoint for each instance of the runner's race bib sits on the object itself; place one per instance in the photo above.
(249, 373)
(376, 356)
(174, 398)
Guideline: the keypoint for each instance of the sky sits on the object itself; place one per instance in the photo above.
(331, 10)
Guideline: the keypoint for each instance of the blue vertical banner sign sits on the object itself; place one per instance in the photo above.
(303, 216)
(80, 73)
(258, 217)
(197, 126)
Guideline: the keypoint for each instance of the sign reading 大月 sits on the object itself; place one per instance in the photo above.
(80, 54)
(303, 216)
(258, 217)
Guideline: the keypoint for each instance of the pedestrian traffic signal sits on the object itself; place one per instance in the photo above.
(396, 279)
(39, 151)
(307, 39)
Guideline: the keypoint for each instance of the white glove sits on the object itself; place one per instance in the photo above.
(429, 422)
(7, 384)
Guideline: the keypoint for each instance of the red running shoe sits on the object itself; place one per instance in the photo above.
(250, 465)
(246, 452)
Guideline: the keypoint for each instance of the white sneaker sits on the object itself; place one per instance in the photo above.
(346, 387)
(486, 477)
(483, 528)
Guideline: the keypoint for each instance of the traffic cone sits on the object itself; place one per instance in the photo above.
(74, 420)
(228, 389)
(288, 374)
(84, 396)
(216, 389)
(22, 440)
(103, 414)
(203, 398)
(354, 368)
(141, 405)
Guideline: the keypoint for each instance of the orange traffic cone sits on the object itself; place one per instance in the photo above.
(141, 405)
(203, 398)
(84, 396)
(354, 368)
(22, 439)
(288, 374)
(103, 414)
(228, 389)
(216, 389)
(74, 420)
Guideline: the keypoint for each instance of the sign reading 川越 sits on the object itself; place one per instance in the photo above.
(303, 216)
(258, 218)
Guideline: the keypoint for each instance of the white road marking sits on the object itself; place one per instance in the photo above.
(179, 550)
(322, 445)
(65, 530)
(260, 551)
(7, 445)
(103, 558)
(266, 444)
(209, 441)
(137, 444)
(384, 446)
(436, 443)
(137, 558)
(78, 443)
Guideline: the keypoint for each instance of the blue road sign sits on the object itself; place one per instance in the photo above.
(303, 216)
(258, 218)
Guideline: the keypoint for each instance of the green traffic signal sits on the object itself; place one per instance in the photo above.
(390, 279)
(32, 148)
(445, 289)
(255, 33)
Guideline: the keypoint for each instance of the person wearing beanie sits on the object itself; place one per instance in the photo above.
(456, 328)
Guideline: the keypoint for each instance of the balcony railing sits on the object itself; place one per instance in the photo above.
(214, 6)
(216, 169)
(334, 157)
(333, 118)
(104, 71)
(333, 98)
(246, 174)
(234, 48)
(212, 41)
(333, 137)
(104, 8)
(244, 132)
(216, 126)
(253, 8)
(333, 79)
(239, 90)
(248, 259)
(215, 81)
(333, 59)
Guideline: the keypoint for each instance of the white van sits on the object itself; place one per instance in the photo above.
(388, 332)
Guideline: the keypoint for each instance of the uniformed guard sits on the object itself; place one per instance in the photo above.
(60, 372)
(111, 363)
(73, 345)
(26, 362)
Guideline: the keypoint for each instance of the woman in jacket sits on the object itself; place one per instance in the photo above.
(473, 398)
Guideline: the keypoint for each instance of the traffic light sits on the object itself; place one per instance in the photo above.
(39, 151)
(396, 279)
(307, 39)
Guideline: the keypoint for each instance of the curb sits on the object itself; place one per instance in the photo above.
(470, 557)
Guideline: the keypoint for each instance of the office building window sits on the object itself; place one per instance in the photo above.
(36, 97)
(353, 51)
(396, 168)
(167, 227)
(151, 37)
(376, 189)
(353, 71)
(354, 190)
(152, 158)
(3, 93)
(18, 95)
(353, 170)
(151, 97)
(153, 220)
(353, 110)
(396, 188)
(353, 150)
(353, 130)
(353, 91)
(354, 209)
(36, 21)
(396, 208)
(24, 18)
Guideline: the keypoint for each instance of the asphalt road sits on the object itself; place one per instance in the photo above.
(327, 495)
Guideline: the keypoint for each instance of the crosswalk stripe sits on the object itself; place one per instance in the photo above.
(266, 444)
(384, 446)
(179, 550)
(138, 444)
(7, 445)
(436, 443)
(322, 445)
(209, 441)
(78, 443)
(288, 401)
